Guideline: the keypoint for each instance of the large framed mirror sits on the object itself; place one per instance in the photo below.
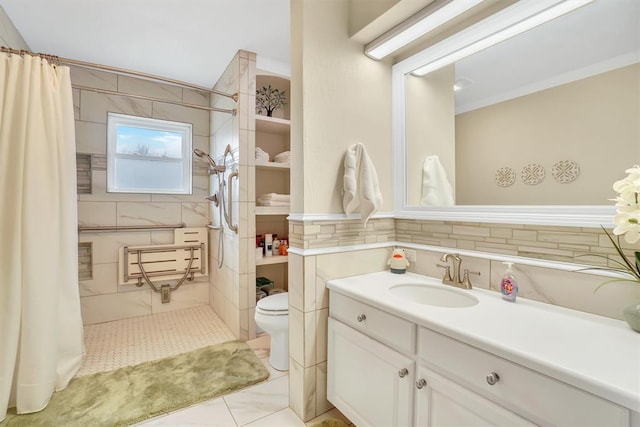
(534, 129)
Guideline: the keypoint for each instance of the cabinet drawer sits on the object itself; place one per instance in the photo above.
(387, 328)
(535, 396)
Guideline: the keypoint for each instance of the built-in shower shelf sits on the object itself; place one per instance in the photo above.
(276, 259)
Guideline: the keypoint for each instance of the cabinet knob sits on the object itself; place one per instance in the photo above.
(403, 372)
(361, 317)
(421, 383)
(493, 378)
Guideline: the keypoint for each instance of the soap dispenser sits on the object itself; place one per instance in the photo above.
(508, 284)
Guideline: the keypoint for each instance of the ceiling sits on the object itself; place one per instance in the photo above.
(188, 40)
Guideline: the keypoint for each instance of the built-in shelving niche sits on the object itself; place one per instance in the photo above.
(83, 173)
(85, 263)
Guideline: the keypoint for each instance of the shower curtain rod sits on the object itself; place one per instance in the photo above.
(148, 98)
(118, 70)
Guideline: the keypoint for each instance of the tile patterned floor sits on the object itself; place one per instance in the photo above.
(128, 342)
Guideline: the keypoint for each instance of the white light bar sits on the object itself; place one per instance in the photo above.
(415, 27)
(502, 34)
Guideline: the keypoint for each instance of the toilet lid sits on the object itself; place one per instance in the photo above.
(276, 302)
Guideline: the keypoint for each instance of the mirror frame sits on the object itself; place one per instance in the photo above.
(556, 215)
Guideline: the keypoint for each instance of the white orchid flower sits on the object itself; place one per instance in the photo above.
(627, 223)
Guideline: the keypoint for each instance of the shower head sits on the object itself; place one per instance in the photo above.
(212, 164)
(198, 152)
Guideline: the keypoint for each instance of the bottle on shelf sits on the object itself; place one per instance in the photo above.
(268, 245)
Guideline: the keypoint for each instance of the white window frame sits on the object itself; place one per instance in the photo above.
(114, 119)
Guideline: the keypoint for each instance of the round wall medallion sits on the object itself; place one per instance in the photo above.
(532, 174)
(505, 177)
(565, 171)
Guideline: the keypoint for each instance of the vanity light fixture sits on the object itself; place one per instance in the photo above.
(502, 33)
(430, 18)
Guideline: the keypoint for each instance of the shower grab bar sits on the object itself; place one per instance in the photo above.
(229, 216)
(101, 228)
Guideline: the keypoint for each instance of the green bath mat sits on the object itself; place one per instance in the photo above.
(134, 393)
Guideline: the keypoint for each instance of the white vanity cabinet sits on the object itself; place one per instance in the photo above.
(384, 370)
(370, 382)
(442, 402)
(463, 383)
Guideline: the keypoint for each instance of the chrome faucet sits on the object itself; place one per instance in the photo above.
(456, 280)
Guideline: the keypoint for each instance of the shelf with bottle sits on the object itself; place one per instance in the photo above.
(275, 259)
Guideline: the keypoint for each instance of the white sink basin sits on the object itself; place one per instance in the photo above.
(437, 295)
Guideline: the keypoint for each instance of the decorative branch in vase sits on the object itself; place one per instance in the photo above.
(269, 99)
(627, 224)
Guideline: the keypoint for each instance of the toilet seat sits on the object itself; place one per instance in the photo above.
(274, 305)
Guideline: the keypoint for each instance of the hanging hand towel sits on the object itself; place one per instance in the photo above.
(436, 189)
(360, 186)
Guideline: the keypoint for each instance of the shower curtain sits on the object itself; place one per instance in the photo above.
(40, 319)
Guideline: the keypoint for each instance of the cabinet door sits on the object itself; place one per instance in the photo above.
(442, 402)
(369, 382)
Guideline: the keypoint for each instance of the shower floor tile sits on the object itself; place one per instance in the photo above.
(127, 342)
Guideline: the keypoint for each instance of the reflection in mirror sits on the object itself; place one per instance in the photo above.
(549, 117)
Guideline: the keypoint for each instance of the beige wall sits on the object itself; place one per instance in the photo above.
(594, 122)
(430, 100)
(364, 12)
(340, 97)
(9, 35)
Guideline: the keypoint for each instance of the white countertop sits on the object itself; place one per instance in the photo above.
(591, 352)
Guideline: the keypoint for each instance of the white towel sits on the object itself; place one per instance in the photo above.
(262, 155)
(284, 157)
(275, 197)
(272, 203)
(436, 189)
(360, 186)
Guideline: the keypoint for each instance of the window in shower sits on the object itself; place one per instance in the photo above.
(148, 155)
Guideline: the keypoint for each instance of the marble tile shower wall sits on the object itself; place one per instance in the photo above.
(232, 291)
(101, 298)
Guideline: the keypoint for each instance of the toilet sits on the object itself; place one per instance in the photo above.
(272, 316)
